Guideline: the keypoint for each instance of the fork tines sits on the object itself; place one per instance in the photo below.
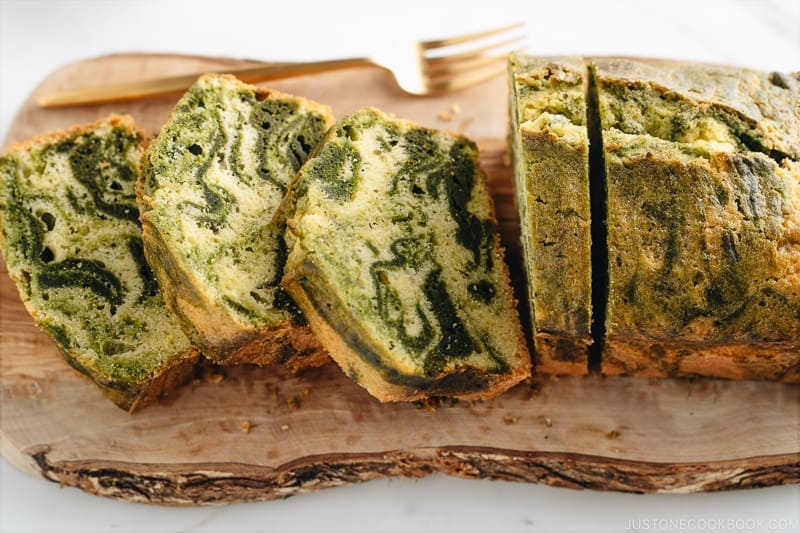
(465, 60)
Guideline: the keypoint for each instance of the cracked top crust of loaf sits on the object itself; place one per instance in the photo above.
(395, 260)
(704, 202)
(211, 183)
(550, 151)
(691, 103)
(73, 244)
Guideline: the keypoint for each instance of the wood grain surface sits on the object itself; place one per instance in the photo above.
(246, 433)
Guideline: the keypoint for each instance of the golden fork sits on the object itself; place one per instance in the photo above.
(423, 68)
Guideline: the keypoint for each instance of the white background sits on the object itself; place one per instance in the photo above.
(38, 36)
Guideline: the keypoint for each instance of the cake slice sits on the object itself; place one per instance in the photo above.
(394, 258)
(211, 182)
(73, 244)
(703, 186)
(550, 153)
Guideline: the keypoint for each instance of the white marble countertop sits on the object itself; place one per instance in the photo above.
(38, 36)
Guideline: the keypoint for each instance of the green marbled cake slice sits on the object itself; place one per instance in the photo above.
(550, 151)
(703, 221)
(211, 182)
(395, 260)
(72, 242)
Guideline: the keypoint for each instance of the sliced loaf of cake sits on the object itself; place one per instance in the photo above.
(211, 182)
(703, 183)
(550, 153)
(72, 242)
(395, 260)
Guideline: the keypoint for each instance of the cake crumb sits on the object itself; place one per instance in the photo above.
(612, 435)
(285, 427)
(548, 422)
(246, 426)
(533, 390)
(428, 404)
(510, 420)
(214, 377)
(102, 165)
(450, 114)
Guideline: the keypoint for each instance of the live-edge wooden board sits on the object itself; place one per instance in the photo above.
(260, 433)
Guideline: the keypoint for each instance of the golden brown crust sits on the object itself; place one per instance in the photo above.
(774, 361)
(561, 355)
(134, 396)
(291, 345)
(124, 121)
(176, 374)
(262, 93)
(347, 358)
(354, 365)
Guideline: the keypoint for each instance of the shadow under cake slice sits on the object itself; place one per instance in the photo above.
(211, 182)
(73, 244)
(394, 258)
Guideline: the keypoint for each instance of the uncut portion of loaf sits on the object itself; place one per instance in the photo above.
(73, 244)
(703, 220)
(211, 183)
(550, 152)
(395, 261)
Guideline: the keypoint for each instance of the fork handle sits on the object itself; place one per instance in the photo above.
(122, 92)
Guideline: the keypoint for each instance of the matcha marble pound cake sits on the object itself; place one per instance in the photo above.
(703, 220)
(395, 261)
(211, 182)
(550, 152)
(72, 242)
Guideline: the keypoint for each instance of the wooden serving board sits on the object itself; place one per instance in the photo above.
(261, 433)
